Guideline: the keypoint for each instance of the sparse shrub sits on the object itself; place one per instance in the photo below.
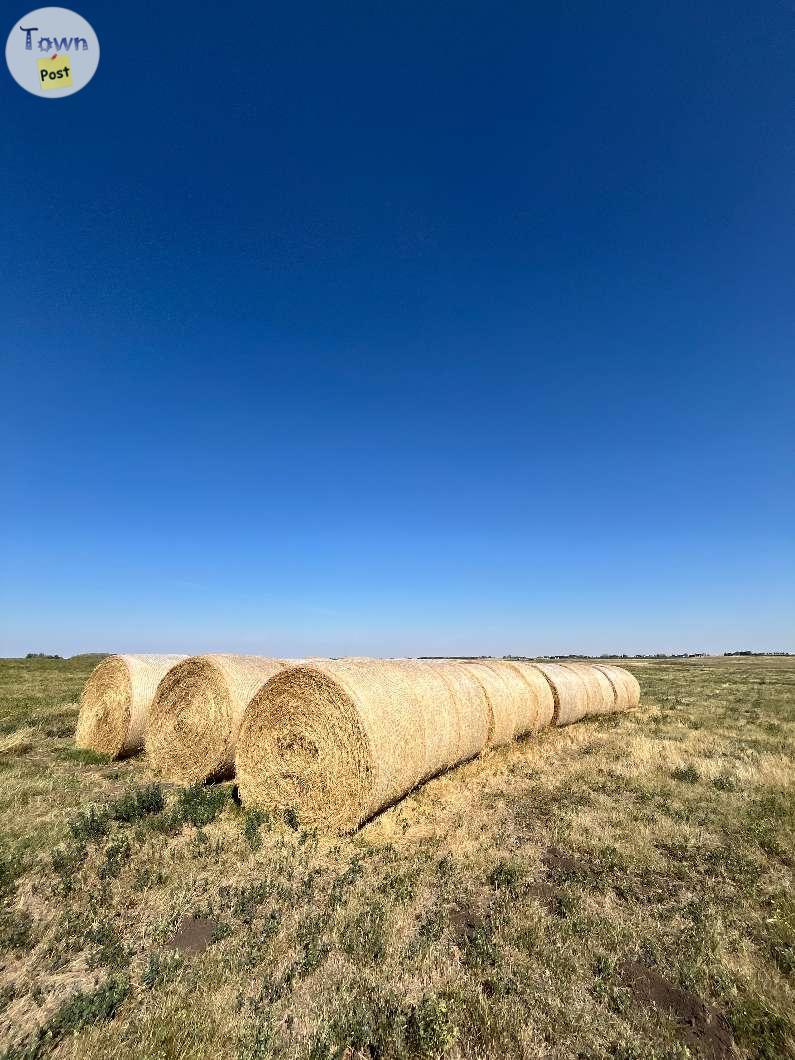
(93, 824)
(291, 818)
(686, 774)
(429, 930)
(314, 951)
(109, 951)
(137, 803)
(251, 828)
(257, 1044)
(221, 931)
(116, 854)
(475, 938)
(160, 969)
(80, 1010)
(89, 826)
(430, 1028)
(369, 1025)
(245, 902)
(363, 937)
(10, 869)
(66, 863)
(199, 805)
(400, 886)
(725, 783)
(15, 929)
(507, 877)
(764, 1032)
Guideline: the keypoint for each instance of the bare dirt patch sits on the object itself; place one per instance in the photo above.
(194, 934)
(703, 1028)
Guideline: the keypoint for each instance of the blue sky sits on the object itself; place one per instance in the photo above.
(403, 329)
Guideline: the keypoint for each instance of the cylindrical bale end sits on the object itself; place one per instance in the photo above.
(115, 702)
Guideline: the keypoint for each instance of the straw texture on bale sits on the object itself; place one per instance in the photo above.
(502, 708)
(471, 705)
(514, 702)
(625, 685)
(115, 702)
(195, 716)
(569, 690)
(338, 740)
(341, 739)
(541, 690)
(601, 694)
(440, 716)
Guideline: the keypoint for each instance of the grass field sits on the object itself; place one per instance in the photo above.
(621, 889)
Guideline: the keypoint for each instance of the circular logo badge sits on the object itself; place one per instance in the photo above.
(52, 52)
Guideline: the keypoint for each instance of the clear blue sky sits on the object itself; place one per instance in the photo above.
(403, 328)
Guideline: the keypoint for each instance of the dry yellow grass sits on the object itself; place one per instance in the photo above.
(617, 888)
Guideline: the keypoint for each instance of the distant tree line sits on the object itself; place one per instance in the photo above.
(41, 655)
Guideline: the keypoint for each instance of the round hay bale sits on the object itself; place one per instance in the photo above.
(515, 700)
(338, 740)
(541, 689)
(471, 704)
(501, 699)
(115, 702)
(601, 694)
(569, 691)
(195, 716)
(440, 716)
(625, 685)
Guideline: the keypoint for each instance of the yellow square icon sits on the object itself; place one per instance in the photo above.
(55, 72)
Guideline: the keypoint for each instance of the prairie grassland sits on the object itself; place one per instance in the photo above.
(620, 889)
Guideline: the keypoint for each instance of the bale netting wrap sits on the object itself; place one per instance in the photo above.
(115, 702)
(336, 740)
(471, 706)
(569, 691)
(601, 695)
(195, 717)
(541, 690)
(625, 685)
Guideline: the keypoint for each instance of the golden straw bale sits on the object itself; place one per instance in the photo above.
(115, 702)
(439, 713)
(541, 690)
(501, 699)
(516, 701)
(569, 690)
(601, 694)
(338, 740)
(625, 685)
(472, 706)
(195, 716)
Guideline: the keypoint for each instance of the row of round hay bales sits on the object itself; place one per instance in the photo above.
(337, 740)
